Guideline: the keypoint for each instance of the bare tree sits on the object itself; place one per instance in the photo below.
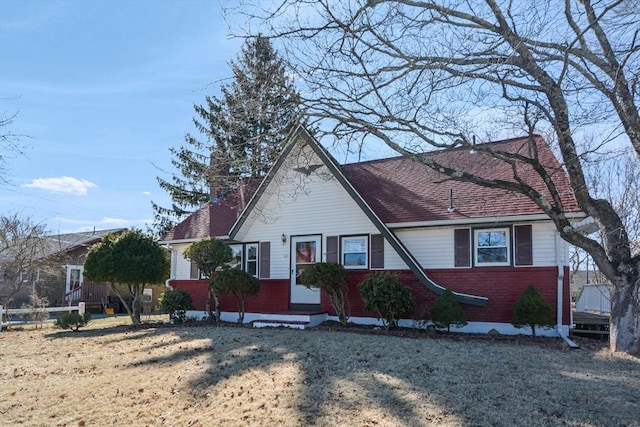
(9, 144)
(433, 73)
(22, 245)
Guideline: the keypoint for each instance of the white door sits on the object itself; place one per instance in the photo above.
(305, 250)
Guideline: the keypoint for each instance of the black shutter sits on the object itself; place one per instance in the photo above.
(195, 273)
(462, 242)
(332, 249)
(265, 260)
(377, 251)
(524, 245)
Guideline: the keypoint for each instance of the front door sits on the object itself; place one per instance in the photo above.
(305, 250)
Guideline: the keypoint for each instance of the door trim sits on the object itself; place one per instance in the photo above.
(304, 298)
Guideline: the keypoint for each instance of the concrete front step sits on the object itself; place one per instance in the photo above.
(290, 320)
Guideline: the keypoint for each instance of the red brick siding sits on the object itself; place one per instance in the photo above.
(503, 286)
(196, 288)
(273, 296)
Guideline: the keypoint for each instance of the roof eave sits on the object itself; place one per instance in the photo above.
(481, 220)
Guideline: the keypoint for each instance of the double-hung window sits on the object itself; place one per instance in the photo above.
(355, 252)
(251, 259)
(492, 247)
(245, 257)
(236, 257)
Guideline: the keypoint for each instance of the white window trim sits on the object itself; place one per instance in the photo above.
(366, 252)
(246, 259)
(241, 247)
(80, 277)
(507, 245)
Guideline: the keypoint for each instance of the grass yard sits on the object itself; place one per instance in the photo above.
(207, 376)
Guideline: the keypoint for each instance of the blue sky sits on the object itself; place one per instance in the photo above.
(102, 90)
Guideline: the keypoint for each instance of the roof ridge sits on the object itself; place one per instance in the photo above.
(444, 150)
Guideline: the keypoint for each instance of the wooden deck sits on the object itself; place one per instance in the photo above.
(586, 324)
(92, 294)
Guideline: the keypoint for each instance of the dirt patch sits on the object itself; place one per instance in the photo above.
(110, 374)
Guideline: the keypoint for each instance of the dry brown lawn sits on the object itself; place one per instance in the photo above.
(208, 376)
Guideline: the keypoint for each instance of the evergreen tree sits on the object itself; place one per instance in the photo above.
(447, 311)
(241, 133)
(531, 309)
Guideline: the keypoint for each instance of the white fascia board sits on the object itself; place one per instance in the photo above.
(175, 242)
(587, 226)
(485, 220)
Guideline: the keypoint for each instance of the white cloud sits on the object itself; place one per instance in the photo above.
(146, 193)
(63, 184)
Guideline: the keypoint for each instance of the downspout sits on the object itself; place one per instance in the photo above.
(172, 269)
(560, 261)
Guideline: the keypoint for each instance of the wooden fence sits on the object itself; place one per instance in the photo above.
(80, 308)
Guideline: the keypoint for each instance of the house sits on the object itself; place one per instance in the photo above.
(393, 215)
(55, 265)
(74, 248)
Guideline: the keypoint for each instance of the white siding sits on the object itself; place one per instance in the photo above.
(544, 244)
(294, 205)
(183, 266)
(434, 248)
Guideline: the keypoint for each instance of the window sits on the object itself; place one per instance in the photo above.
(245, 257)
(194, 271)
(74, 278)
(492, 247)
(236, 253)
(251, 259)
(354, 252)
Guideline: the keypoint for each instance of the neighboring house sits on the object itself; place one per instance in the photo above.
(582, 277)
(391, 215)
(74, 247)
(57, 270)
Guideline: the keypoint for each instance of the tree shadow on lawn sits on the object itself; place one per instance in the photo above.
(420, 382)
(130, 332)
(330, 377)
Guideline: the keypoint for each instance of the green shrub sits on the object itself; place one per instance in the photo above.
(73, 321)
(448, 311)
(383, 293)
(176, 302)
(531, 310)
(239, 284)
(334, 279)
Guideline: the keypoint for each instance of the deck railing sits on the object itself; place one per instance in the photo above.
(89, 293)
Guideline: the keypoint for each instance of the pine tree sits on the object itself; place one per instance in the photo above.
(531, 309)
(447, 311)
(241, 133)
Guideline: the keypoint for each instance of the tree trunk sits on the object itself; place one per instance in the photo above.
(208, 303)
(125, 303)
(624, 327)
(217, 304)
(241, 313)
(136, 304)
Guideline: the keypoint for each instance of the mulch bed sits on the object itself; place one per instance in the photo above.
(545, 342)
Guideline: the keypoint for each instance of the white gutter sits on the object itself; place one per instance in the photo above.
(560, 264)
(490, 220)
(560, 261)
(172, 260)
